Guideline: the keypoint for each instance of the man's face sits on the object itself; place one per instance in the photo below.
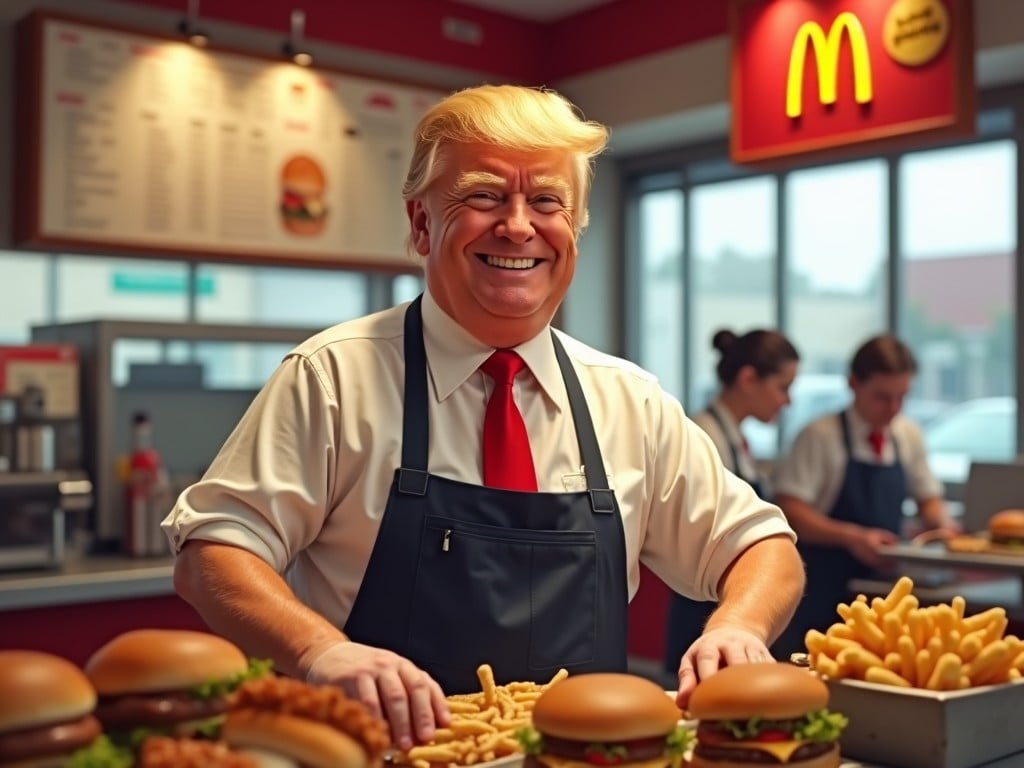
(496, 229)
(880, 397)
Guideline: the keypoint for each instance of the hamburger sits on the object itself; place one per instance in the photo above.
(604, 719)
(46, 709)
(166, 681)
(283, 722)
(1006, 529)
(302, 196)
(764, 713)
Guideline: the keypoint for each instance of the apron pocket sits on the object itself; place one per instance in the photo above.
(510, 590)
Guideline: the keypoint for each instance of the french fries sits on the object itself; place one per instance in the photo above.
(483, 724)
(894, 641)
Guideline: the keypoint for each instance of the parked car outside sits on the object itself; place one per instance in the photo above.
(983, 429)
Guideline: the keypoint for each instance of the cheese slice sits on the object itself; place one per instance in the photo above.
(552, 761)
(781, 750)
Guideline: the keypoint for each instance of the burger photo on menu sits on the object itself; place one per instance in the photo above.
(166, 682)
(303, 184)
(605, 719)
(764, 713)
(46, 711)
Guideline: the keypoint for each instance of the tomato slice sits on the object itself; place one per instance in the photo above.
(774, 735)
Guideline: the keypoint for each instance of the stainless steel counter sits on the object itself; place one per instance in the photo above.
(88, 579)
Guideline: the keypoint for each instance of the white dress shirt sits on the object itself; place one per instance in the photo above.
(303, 480)
(814, 469)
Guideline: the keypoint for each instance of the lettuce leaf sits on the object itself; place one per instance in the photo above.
(214, 688)
(102, 753)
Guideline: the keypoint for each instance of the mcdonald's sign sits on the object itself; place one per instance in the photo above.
(828, 76)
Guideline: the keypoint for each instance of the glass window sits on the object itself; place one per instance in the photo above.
(958, 224)
(733, 276)
(836, 278)
(23, 291)
(406, 288)
(660, 287)
(90, 288)
(279, 296)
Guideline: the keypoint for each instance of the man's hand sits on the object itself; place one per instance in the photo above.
(390, 685)
(868, 541)
(717, 647)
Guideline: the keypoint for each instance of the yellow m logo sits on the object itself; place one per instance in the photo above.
(826, 56)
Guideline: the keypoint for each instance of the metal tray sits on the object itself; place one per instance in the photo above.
(915, 728)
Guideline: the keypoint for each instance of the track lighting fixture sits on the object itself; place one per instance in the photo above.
(189, 26)
(293, 47)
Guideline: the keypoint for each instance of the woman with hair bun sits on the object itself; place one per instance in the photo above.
(755, 372)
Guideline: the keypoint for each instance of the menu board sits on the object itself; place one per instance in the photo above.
(153, 144)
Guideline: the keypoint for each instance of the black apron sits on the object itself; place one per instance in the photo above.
(463, 574)
(687, 617)
(872, 495)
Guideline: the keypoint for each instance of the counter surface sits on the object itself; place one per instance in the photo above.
(88, 579)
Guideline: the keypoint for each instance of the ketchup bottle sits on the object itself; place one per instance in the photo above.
(146, 492)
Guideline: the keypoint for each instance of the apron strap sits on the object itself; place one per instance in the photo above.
(412, 475)
(732, 447)
(602, 499)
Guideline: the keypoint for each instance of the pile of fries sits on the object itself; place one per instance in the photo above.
(893, 641)
(483, 724)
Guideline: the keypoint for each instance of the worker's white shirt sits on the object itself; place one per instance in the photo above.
(303, 480)
(816, 465)
(727, 439)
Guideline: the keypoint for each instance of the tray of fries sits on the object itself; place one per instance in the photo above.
(923, 687)
(482, 732)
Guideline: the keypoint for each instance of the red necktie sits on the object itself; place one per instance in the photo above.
(508, 462)
(877, 439)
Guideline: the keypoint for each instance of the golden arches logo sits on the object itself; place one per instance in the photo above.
(826, 56)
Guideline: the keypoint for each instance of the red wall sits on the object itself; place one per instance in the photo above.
(516, 49)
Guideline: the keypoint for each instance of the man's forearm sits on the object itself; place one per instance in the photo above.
(761, 589)
(245, 600)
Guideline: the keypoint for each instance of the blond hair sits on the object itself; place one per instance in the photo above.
(511, 117)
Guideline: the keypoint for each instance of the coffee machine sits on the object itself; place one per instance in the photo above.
(44, 493)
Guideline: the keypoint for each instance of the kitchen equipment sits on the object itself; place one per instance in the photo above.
(42, 518)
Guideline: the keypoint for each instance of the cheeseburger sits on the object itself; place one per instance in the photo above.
(46, 707)
(1006, 529)
(302, 196)
(604, 719)
(764, 713)
(166, 681)
(282, 723)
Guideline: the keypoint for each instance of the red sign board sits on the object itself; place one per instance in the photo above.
(813, 75)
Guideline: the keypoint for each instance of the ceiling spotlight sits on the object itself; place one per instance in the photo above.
(293, 47)
(189, 26)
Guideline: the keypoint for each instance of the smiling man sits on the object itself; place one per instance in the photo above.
(452, 481)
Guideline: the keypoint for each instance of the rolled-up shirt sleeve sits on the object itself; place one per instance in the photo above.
(268, 489)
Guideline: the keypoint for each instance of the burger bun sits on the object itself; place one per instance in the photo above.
(771, 690)
(40, 689)
(157, 660)
(304, 227)
(1008, 523)
(308, 742)
(605, 707)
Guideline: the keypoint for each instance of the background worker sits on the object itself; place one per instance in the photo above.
(845, 480)
(755, 372)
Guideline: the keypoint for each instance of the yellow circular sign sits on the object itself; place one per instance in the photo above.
(915, 31)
